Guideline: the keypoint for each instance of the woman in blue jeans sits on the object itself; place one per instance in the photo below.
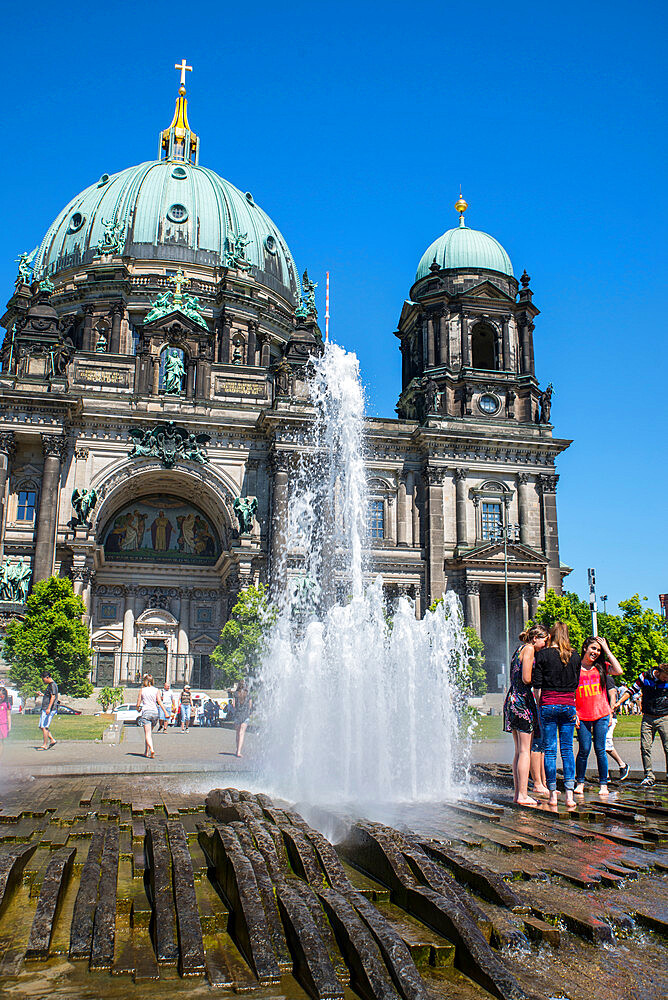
(555, 678)
(593, 708)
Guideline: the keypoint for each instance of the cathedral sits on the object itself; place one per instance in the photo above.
(151, 393)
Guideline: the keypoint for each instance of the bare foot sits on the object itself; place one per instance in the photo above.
(526, 800)
(603, 790)
(541, 790)
(579, 789)
(553, 798)
(570, 801)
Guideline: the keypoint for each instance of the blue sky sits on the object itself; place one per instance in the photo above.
(353, 126)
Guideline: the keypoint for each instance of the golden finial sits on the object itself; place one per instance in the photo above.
(461, 206)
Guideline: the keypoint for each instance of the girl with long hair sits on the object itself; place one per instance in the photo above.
(148, 703)
(243, 707)
(520, 714)
(593, 708)
(556, 674)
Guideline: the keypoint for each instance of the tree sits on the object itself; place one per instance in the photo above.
(243, 638)
(52, 637)
(109, 697)
(638, 637)
(474, 673)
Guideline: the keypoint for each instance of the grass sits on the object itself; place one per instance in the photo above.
(490, 727)
(63, 727)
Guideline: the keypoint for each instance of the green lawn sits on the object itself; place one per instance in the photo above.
(63, 727)
(490, 727)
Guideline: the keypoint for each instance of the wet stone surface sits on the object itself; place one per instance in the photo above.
(129, 887)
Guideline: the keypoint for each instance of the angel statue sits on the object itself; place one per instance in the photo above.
(245, 508)
(83, 503)
(14, 581)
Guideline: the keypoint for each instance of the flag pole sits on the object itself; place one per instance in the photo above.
(327, 311)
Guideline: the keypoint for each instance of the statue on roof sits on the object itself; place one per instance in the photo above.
(161, 307)
(46, 285)
(307, 306)
(191, 308)
(546, 405)
(112, 239)
(235, 254)
(26, 262)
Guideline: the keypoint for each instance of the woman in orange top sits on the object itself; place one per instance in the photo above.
(593, 708)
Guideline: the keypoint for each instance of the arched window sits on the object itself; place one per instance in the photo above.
(491, 501)
(482, 345)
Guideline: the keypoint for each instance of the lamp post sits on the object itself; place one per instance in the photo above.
(604, 598)
(505, 533)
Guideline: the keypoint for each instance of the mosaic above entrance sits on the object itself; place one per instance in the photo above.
(161, 529)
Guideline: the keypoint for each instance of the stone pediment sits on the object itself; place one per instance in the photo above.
(104, 635)
(491, 553)
(175, 322)
(487, 290)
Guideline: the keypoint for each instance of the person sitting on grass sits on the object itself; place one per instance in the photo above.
(48, 711)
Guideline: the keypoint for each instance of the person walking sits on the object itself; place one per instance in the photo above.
(5, 717)
(652, 687)
(186, 704)
(592, 705)
(243, 707)
(520, 714)
(165, 713)
(149, 703)
(555, 677)
(614, 695)
(48, 711)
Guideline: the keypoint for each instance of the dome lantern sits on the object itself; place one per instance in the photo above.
(178, 142)
(464, 248)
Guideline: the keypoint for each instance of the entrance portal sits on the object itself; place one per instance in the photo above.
(154, 660)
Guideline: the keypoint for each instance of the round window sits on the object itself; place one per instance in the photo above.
(177, 213)
(76, 222)
(103, 180)
(179, 173)
(270, 244)
(488, 404)
(249, 198)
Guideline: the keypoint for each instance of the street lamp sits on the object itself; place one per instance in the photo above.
(505, 533)
(604, 598)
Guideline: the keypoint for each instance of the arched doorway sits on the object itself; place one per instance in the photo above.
(154, 660)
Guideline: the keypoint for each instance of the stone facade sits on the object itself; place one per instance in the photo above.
(136, 421)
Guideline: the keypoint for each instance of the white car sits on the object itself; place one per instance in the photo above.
(126, 713)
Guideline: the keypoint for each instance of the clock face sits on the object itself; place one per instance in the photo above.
(488, 403)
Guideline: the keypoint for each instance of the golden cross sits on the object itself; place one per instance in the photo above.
(178, 280)
(182, 66)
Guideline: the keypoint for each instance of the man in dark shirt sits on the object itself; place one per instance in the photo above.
(652, 685)
(49, 708)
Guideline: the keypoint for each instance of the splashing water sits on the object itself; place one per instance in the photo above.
(355, 708)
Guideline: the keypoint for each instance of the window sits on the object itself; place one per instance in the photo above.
(491, 519)
(26, 505)
(376, 519)
(482, 343)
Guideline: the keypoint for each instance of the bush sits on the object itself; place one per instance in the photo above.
(243, 638)
(110, 697)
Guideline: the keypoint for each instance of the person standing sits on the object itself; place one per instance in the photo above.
(593, 708)
(48, 711)
(555, 677)
(148, 704)
(520, 714)
(614, 695)
(5, 717)
(243, 707)
(186, 703)
(165, 713)
(652, 687)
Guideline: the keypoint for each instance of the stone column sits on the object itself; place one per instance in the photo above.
(415, 508)
(225, 343)
(465, 341)
(190, 377)
(533, 594)
(506, 345)
(128, 640)
(116, 319)
(473, 604)
(498, 349)
(405, 363)
(54, 449)
(443, 340)
(155, 380)
(281, 464)
(390, 520)
(461, 502)
(250, 353)
(524, 503)
(404, 522)
(183, 639)
(434, 533)
(88, 344)
(548, 490)
(431, 346)
(526, 331)
(7, 448)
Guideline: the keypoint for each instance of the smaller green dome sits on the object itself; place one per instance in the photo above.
(465, 248)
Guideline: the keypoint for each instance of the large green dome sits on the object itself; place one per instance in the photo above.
(169, 210)
(465, 248)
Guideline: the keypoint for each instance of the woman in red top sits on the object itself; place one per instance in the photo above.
(593, 708)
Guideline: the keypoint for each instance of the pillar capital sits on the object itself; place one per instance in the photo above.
(472, 587)
(548, 484)
(523, 478)
(7, 442)
(460, 475)
(54, 445)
